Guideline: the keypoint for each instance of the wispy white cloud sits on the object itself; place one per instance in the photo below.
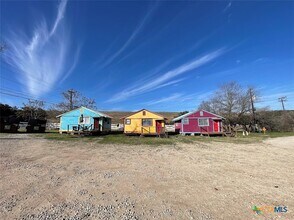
(167, 78)
(228, 6)
(165, 99)
(45, 57)
(130, 39)
(60, 15)
(179, 54)
(179, 101)
(73, 66)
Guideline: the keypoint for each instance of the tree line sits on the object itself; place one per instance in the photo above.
(35, 109)
(237, 105)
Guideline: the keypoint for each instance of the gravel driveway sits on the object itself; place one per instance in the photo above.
(49, 179)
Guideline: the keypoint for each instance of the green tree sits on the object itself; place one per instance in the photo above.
(7, 110)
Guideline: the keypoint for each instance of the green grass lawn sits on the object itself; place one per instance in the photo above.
(173, 139)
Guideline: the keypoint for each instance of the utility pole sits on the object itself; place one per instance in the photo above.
(282, 100)
(71, 92)
(252, 106)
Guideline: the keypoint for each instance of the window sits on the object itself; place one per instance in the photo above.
(147, 122)
(185, 121)
(128, 121)
(84, 120)
(144, 113)
(203, 122)
(201, 113)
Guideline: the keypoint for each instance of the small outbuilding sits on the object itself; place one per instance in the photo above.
(199, 122)
(84, 120)
(144, 122)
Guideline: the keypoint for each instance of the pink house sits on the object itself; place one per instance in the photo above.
(199, 122)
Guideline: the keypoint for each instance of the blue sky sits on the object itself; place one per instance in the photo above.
(164, 56)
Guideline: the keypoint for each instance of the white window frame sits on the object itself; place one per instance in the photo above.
(206, 125)
(127, 121)
(86, 118)
(185, 121)
(201, 113)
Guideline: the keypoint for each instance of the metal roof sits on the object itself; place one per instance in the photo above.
(143, 110)
(189, 113)
(99, 113)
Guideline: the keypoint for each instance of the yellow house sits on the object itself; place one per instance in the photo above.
(144, 122)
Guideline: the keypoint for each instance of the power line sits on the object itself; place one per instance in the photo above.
(272, 99)
(57, 88)
(24, 97)
(22, 84)
(17, 92)
(21, 93)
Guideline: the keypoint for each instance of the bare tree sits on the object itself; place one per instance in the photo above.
(230, 100)
(74, 99)
(33, 109)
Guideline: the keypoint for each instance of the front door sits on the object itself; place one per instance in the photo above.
(158, 127)
(96, 124)
(216, 126)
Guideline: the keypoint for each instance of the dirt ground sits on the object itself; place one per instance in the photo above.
(49, 179)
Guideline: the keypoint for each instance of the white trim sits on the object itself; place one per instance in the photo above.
(82, 107)
(182, 116)
(182, 126)
(187, 122)
(203, 125)
(189, 113)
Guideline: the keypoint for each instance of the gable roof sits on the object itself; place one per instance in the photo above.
(82, 107)
(189, 113)
(143, 110)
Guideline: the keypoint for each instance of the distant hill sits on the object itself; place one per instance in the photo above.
(116, 116)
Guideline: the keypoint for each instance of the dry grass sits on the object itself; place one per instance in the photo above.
(156, 141)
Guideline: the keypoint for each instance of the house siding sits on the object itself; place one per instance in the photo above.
(70, 119)
(193, 126)
(136, 123)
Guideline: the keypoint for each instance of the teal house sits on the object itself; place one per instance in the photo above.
(84, 120)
